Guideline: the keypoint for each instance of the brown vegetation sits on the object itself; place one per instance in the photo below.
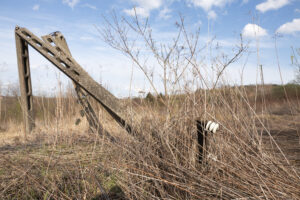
(247, 159)
(62, 160)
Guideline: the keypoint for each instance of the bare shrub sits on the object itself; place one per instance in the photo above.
(163, 165)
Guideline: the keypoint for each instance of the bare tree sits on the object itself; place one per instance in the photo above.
(180, 58)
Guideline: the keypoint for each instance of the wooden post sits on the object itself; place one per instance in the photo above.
(25, 84)
(202, 133)
(204, 130)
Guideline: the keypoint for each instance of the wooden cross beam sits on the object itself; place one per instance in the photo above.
(59, 55)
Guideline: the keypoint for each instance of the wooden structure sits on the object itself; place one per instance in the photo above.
(55, 49)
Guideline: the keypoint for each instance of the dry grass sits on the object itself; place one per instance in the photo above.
(51, 163)
(162, 164)
(244, 160)
(64, 161)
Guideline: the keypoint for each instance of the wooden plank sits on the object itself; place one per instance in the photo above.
(25, 84)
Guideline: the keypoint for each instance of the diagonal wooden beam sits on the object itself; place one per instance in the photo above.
(74, 71)
(94, 123)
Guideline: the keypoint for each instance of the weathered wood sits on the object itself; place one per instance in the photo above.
(25, 83)
(74, 71)
(71, 68)
(59, 40)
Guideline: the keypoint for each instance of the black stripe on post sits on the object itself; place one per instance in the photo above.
(201, 133)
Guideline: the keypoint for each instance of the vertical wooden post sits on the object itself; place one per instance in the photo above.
(202, 133)
(25, 84)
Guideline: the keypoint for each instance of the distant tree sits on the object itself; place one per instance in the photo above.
(150, 97)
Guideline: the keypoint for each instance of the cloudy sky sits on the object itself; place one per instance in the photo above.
(224, 20)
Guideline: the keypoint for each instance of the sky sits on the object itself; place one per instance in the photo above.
(262, 23)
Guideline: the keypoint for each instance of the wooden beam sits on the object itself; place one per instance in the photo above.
(74, 71)
(25, 83)
(59, 41)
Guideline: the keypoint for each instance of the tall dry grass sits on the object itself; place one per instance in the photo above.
(61, 160)
(161, 162)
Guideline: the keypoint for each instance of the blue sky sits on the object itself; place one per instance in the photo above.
(223, 19)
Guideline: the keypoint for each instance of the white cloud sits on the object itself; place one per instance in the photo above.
(148, 4)
(71, 3)
(165, 13)
(271, 5)
(208, 4)
(297, 10)
(290, 27)
(139, 11)
(143, 7)
(253, 30)
(90, 6)
(211, 15)
(36, 7)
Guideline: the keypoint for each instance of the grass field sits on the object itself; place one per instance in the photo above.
(256, 153)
